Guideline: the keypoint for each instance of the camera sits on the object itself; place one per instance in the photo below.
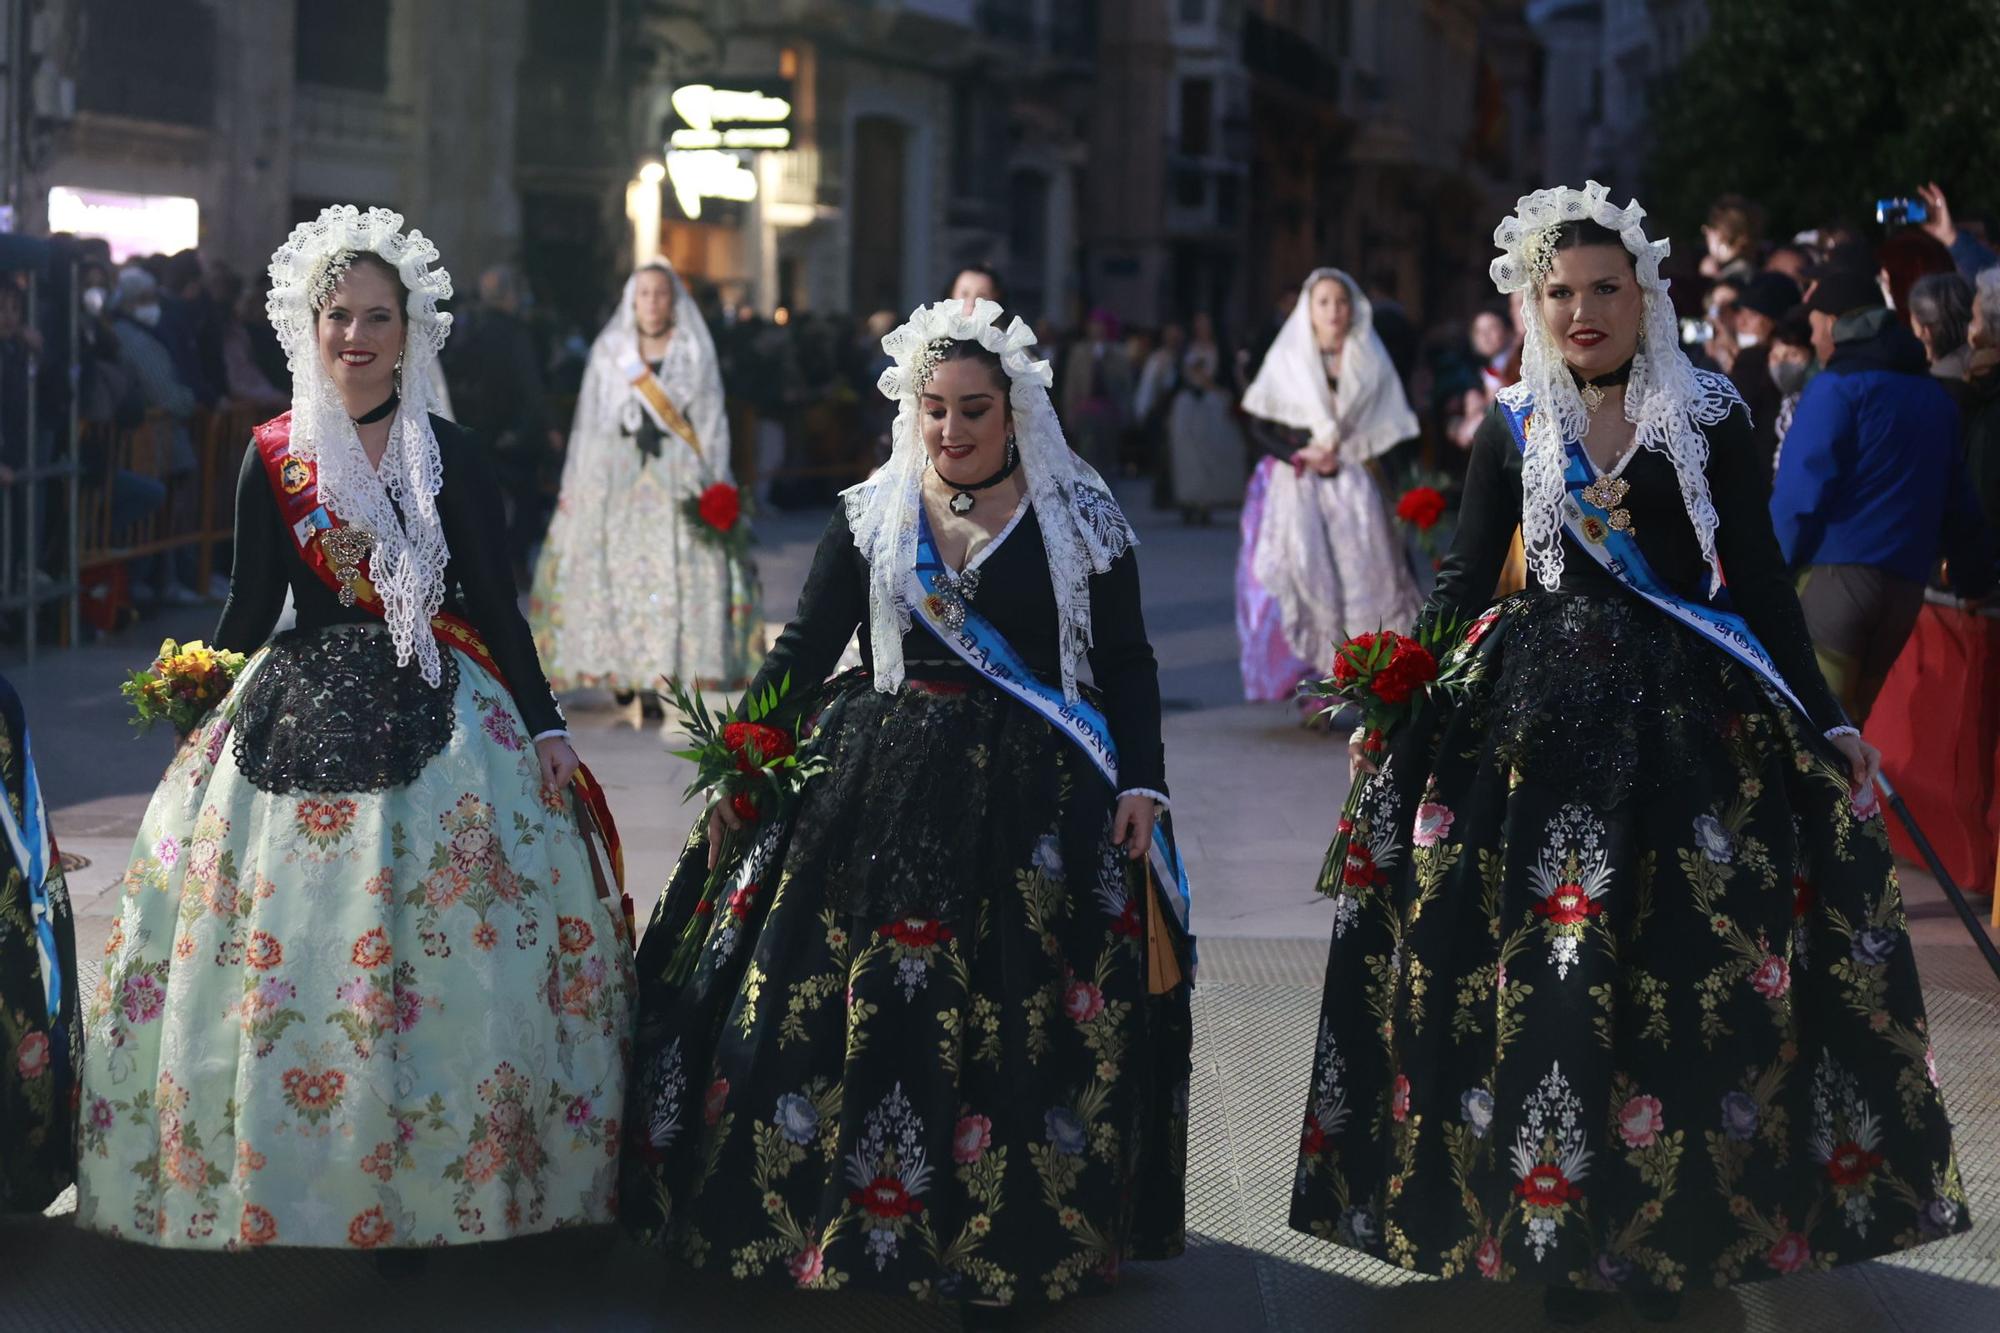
(1900, 211)
(1695, 331)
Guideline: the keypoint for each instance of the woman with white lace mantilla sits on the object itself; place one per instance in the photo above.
(1621, 997)
(936, 1041)
(629, 588)
(368, 988)
(1321, 560)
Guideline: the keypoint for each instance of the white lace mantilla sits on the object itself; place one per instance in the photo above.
(1083, 529)
(1668, 401)
(407, 564)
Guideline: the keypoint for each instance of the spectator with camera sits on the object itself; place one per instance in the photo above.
(1972, 256)
(1864, 484)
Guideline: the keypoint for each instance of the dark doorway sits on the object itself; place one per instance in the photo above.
(880, 145)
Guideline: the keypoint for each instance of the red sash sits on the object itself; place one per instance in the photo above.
(295, 483)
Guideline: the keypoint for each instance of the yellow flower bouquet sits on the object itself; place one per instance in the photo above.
(182, 684)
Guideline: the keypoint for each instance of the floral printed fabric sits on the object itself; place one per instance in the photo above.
(985, 1106)
(389, 1019)
(38, 1058)
(1676, 1041)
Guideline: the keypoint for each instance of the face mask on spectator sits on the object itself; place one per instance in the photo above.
(1789, 376)
(93, 300)
(1747, 340)
(148, 315)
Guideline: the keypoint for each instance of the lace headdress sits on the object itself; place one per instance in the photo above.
(409, 555)
(1667, 399)
(1083, 530)
(1367, 414)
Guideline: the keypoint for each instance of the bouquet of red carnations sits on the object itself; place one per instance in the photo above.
(720, 516)
(747, 763)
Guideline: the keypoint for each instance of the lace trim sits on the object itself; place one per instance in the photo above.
(396, 503)
(1083, 530)
(1669, 402)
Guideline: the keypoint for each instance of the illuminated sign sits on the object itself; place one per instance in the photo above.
(714, 118)
(131, 224)
(709, 174)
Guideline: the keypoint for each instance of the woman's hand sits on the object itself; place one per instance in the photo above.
(559, 763)
(1864, 762)
(722, 820)
(1132, 824)
(1359, 765)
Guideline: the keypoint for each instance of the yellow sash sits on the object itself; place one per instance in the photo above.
(653, 396)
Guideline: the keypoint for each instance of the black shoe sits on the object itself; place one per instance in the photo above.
(1656, 1307)
(1568, 1305)
(401, 1265)
(655, 708)
(622, 697)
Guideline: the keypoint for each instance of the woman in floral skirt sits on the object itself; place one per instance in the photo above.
(366, 989)
(1621, 996)
(934, 1040)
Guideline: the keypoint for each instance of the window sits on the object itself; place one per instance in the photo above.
(1197, 117)
(344, 45)
(154, 61)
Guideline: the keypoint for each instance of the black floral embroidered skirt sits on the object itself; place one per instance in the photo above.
(917, 1052)
(1620, 994)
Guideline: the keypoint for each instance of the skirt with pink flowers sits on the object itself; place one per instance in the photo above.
(901, 1064)
(357, 1019)
(1620, 993)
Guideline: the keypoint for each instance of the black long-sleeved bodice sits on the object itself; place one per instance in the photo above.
(1759, 585)
(478, 582)
(1017, 596)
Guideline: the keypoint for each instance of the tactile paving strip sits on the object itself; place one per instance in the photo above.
(1256, 1010)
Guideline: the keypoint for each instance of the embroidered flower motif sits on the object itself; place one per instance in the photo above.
(713, 1103)
(1791, 1253)
(263, 952)
(1047, 856)
(1065, 1132)
(258, 1227)
(1874, 946)
(502, 730)
(1740, 1116)
(807, 1266)
(574, 935)
(167, 851)
(1640, 1122)
(1433, 824)
(1083, 1002)
(1488, 1258)
(145, 999)
(1312, 1139)
(1357, 1227)
(370, 1229)
(797, 1118)
(1772, 978)
(1714, 840)
(32, 1060)
(372, 949)
(484, 936)
(1476, 1106)
(324, 823)
(1399, 1099)
(1851, 1164)
(1545, 1186)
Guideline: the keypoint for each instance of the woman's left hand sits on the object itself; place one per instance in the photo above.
(1132, 825)
(1864, 761)
(559, 763)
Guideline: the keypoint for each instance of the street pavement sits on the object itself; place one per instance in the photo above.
(1255, 798)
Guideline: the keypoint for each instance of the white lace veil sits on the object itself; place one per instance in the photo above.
(408, 561)
(1367, 415)
(690, 370)
(1083, 530)
(1667, 399)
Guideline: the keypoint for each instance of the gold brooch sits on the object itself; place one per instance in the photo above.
(345, 548)
(1608, 494)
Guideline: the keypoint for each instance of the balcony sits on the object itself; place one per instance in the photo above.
(149, 62)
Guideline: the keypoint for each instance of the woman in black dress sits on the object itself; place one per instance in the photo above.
(920, 1051)
(1621, 996)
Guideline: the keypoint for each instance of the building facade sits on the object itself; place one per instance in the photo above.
(1604, 57)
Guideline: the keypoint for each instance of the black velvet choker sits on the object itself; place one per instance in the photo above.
(380, 412)
(1609, 378)
(962, 499)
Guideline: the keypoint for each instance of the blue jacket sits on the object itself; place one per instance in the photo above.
(1866, 472)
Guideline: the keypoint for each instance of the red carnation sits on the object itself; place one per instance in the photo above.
(1410, 666)
(770, 743)
(721, 506)
(745, 806)
(1421, 507)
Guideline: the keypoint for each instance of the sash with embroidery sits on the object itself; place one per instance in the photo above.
(943, 610)
(35, 853)
(1589, 526)
(295, 483)
(652, 396)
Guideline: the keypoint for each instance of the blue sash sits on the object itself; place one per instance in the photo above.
(34, 852)
(1590, 528)
(987, 651)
